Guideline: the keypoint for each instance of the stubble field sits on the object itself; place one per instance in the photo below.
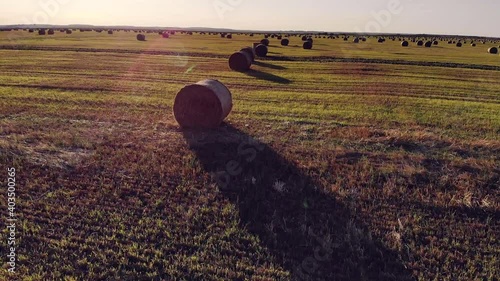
(360, 161)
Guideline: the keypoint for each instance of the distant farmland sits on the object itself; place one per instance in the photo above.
(356, 161)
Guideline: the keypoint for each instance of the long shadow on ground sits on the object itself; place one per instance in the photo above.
(267, 77)
(314, 236)
(269, 65)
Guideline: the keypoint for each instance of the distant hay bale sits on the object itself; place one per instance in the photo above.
(250, 52)
(265, 41)
(428, 44)
(285, 42)
(202, 105)
(307, 45)
(420, 43)
(50, 32)
(110, 32)
(41, 32)
(261, 50)
(356, 40)
(69, 31)
(459, 44)
(435, 43)
(31, 31)
(493, 50)
(310, 40)
(381, 40)
(473, 44)
(229, 36)
(304, 38)
(405, 44)
(240, 61)
(141, 37)
(165, 35)
(279, 37)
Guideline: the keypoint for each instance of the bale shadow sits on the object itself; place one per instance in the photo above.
(267, 76)
(311, 234)
(269, 65)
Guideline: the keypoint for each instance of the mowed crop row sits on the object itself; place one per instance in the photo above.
(361, 170)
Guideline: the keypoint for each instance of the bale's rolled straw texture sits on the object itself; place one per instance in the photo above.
(250, 51)
(261, 50)
(202, 105)
(307, 45)
(240, 61)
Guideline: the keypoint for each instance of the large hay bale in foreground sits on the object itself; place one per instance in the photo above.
(493, 50)
(285, 42)
(261, 50)
(307, 45)
(202, 105)
(141, 37)
(240, 61)
(405, 44)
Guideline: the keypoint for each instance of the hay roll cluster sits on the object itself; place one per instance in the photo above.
(202, 105)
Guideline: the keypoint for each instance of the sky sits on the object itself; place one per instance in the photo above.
(457, 17)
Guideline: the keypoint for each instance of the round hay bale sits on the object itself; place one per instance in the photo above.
(405, 44)
(459, 44)
(310, 40)
(41, 32)
(141, 37)
(435, 42)
(165, 35)
(68, 31)
(473, 45)
(304, 38)
(356, 40)
(261, 50)
(428, 44)
(264, 41)
(285, 42)
(50, 32)
(229, 36)
(202, 105)
(250, 51)
(31, 31)
(493, 50)
(420, 43)
(240, 61)
(307, 45)
(381, 40)
(110, 32)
